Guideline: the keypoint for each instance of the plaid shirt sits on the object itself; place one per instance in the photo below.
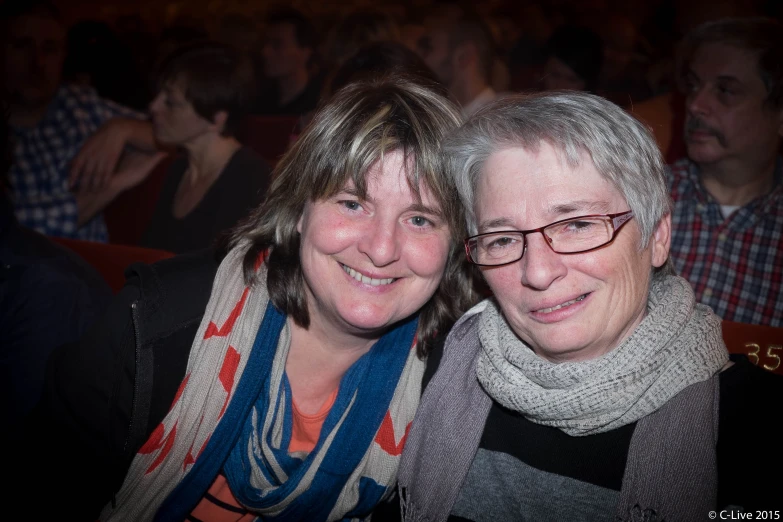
(735, 265)
(42, 157)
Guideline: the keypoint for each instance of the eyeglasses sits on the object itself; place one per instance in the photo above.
(568, 236)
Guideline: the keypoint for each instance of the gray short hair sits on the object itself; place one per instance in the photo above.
(622, 150)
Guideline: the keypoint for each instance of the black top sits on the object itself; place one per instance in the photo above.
(239, 189)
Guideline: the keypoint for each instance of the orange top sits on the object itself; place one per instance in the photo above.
(307, 428)
(219, 504)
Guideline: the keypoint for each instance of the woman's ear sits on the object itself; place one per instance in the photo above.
(661, 241)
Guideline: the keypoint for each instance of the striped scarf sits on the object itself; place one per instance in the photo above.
(233, 411)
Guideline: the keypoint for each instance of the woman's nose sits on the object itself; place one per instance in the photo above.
(541, 266)
(382, 243)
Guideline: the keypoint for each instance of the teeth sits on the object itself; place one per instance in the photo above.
(366, 280)
(558, 307)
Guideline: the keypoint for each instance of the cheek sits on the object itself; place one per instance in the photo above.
(503, 281)
(427, 257)
(325, 232)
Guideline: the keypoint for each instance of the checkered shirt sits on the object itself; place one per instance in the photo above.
(735, 265)
(42, 157)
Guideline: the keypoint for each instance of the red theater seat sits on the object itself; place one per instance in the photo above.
(128, 216)
(112, 260)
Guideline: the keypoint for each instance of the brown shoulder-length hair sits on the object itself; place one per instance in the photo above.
(361, 123)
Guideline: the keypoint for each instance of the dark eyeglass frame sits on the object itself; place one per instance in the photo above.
(617, 221)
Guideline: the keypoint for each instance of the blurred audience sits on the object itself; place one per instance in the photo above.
(357, 28)
(205, 90)
(727, 236)
(48, 297)
(61, 129)
(457, 45)
(378, 59)
(623, 77)
(97, 58)
(289, 52)
(527, 53)
(574, 57)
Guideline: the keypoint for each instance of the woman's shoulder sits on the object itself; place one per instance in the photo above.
(447, 344)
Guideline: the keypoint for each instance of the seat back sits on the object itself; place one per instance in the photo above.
(269, 136)
(128, 216)
(112, 260)
(763, 345)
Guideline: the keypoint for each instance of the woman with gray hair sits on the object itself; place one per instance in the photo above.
(591, 386)
(283, 392)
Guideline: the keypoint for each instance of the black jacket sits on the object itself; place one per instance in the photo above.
(105, 395)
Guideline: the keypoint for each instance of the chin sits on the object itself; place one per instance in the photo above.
(371, 321)
(703, 153)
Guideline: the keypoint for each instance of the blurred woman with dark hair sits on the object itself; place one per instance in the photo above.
(203, 93)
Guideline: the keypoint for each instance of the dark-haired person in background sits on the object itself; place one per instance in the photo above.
(205, 90)
(48, 297)
(458, 46)
(289, 53)
(727, 223)
(63, 131)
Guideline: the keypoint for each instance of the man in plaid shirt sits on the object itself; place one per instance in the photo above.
(727, 236)
(61, 131)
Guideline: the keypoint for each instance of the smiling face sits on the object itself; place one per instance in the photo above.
(727, 118)
(566, 307)
(368, 263)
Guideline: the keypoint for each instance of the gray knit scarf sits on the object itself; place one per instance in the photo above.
(677, 344)
(671, 471)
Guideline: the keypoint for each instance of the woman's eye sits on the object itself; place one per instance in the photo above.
(578, 226)
(496, 243)
(351, 205)
(420, 221)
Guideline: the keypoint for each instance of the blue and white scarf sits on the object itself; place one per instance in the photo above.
(234, 412)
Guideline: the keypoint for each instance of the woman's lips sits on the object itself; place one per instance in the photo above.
(562, 305)
(560, 311)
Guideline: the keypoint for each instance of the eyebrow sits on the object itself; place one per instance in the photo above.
(415, 207)
(724, 78)
(495, 223)
(580, 205)
(585, 206)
